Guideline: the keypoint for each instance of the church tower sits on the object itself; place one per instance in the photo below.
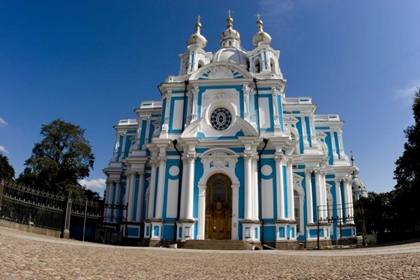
(195, 57)
(225, 154)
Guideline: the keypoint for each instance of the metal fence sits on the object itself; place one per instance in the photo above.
(42, 209)
(338, 215)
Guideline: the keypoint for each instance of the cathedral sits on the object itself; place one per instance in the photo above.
(226, 155)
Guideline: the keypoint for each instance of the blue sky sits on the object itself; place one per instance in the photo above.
(93, 62)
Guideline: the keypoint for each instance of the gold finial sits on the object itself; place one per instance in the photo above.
(259, 22)
(229, 19)
(198, 24)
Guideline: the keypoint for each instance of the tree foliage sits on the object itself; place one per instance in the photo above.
(60, 160)
(407, 171)
(7, 172)
(395, 215)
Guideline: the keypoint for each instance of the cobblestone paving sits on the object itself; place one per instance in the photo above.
(30, 256)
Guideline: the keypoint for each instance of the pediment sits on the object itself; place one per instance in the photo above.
(221, 70)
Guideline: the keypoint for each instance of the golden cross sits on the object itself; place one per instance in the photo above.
(198, 19)
(258, 16)
(229, 12)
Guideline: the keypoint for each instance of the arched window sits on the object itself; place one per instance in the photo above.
(186, 64)
(230, 43)
(257, 68)
(273, 65)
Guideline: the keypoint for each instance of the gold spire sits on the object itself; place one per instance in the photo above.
(198, 25)
(259, 22)
(229, 20)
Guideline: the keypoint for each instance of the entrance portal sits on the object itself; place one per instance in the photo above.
(219, 207)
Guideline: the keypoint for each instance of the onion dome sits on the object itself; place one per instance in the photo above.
(230, 37)
(197, 39)
(261, 37)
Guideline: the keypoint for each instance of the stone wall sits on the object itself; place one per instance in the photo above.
(28, 228)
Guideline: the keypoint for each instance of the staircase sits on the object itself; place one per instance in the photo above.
(218, 245)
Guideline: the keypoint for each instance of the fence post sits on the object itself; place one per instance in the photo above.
(84, 221)
(317, 239)
(66, 232)
(1, 191)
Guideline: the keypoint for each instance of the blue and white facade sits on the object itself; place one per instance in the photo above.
(226, 155)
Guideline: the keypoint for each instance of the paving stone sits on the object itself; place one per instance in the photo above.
(30, 256)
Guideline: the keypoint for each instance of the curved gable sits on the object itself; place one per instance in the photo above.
(221, 70)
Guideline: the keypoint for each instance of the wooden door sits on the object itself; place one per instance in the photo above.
(219, 207)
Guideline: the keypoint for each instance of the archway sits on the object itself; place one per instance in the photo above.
(218, 207)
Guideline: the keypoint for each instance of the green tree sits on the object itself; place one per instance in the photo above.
(60, 160)
(7, 172)
(407, 171)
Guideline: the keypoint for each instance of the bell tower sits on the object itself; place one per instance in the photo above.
(195, 57)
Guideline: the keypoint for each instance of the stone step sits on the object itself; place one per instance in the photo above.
(216, 245)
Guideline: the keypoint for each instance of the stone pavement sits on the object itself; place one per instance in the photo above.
(29, 256)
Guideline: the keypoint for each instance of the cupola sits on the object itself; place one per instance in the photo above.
(197, 39)
(261, 37)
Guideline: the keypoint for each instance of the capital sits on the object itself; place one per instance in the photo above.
(162, 158)
(153, 161)
(195, 90)
(245, 89)
(274, 91)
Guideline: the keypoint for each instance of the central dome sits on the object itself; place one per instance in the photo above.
(233, 55)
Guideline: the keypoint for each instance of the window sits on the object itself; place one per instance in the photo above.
(272, 65)
(257, 67)
(221, 119)
(297, 210)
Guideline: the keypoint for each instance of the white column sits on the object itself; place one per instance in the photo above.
(279, 186)
(116, 147)
(195, 91)
(201, 211)
(321, 194)
(116, 194)
(334, 147)
(304, 132)
(324, 192)
(309, 205)
(152, 189)
(190, 188)
(235, 211)
(189, 107)
(140, 197)
(184, 187)
(348, 197)
(245, 90)
(130, 195)
(290, 193)
(160, 186)
(340, 141)
(146, 134)
(274, 94)
(256, 201)
(248, 190)
(339, 203)
(122, 155)
(319, 201)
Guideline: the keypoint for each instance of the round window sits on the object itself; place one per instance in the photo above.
(221, 118)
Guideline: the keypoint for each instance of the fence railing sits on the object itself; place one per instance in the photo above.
(42, 209)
